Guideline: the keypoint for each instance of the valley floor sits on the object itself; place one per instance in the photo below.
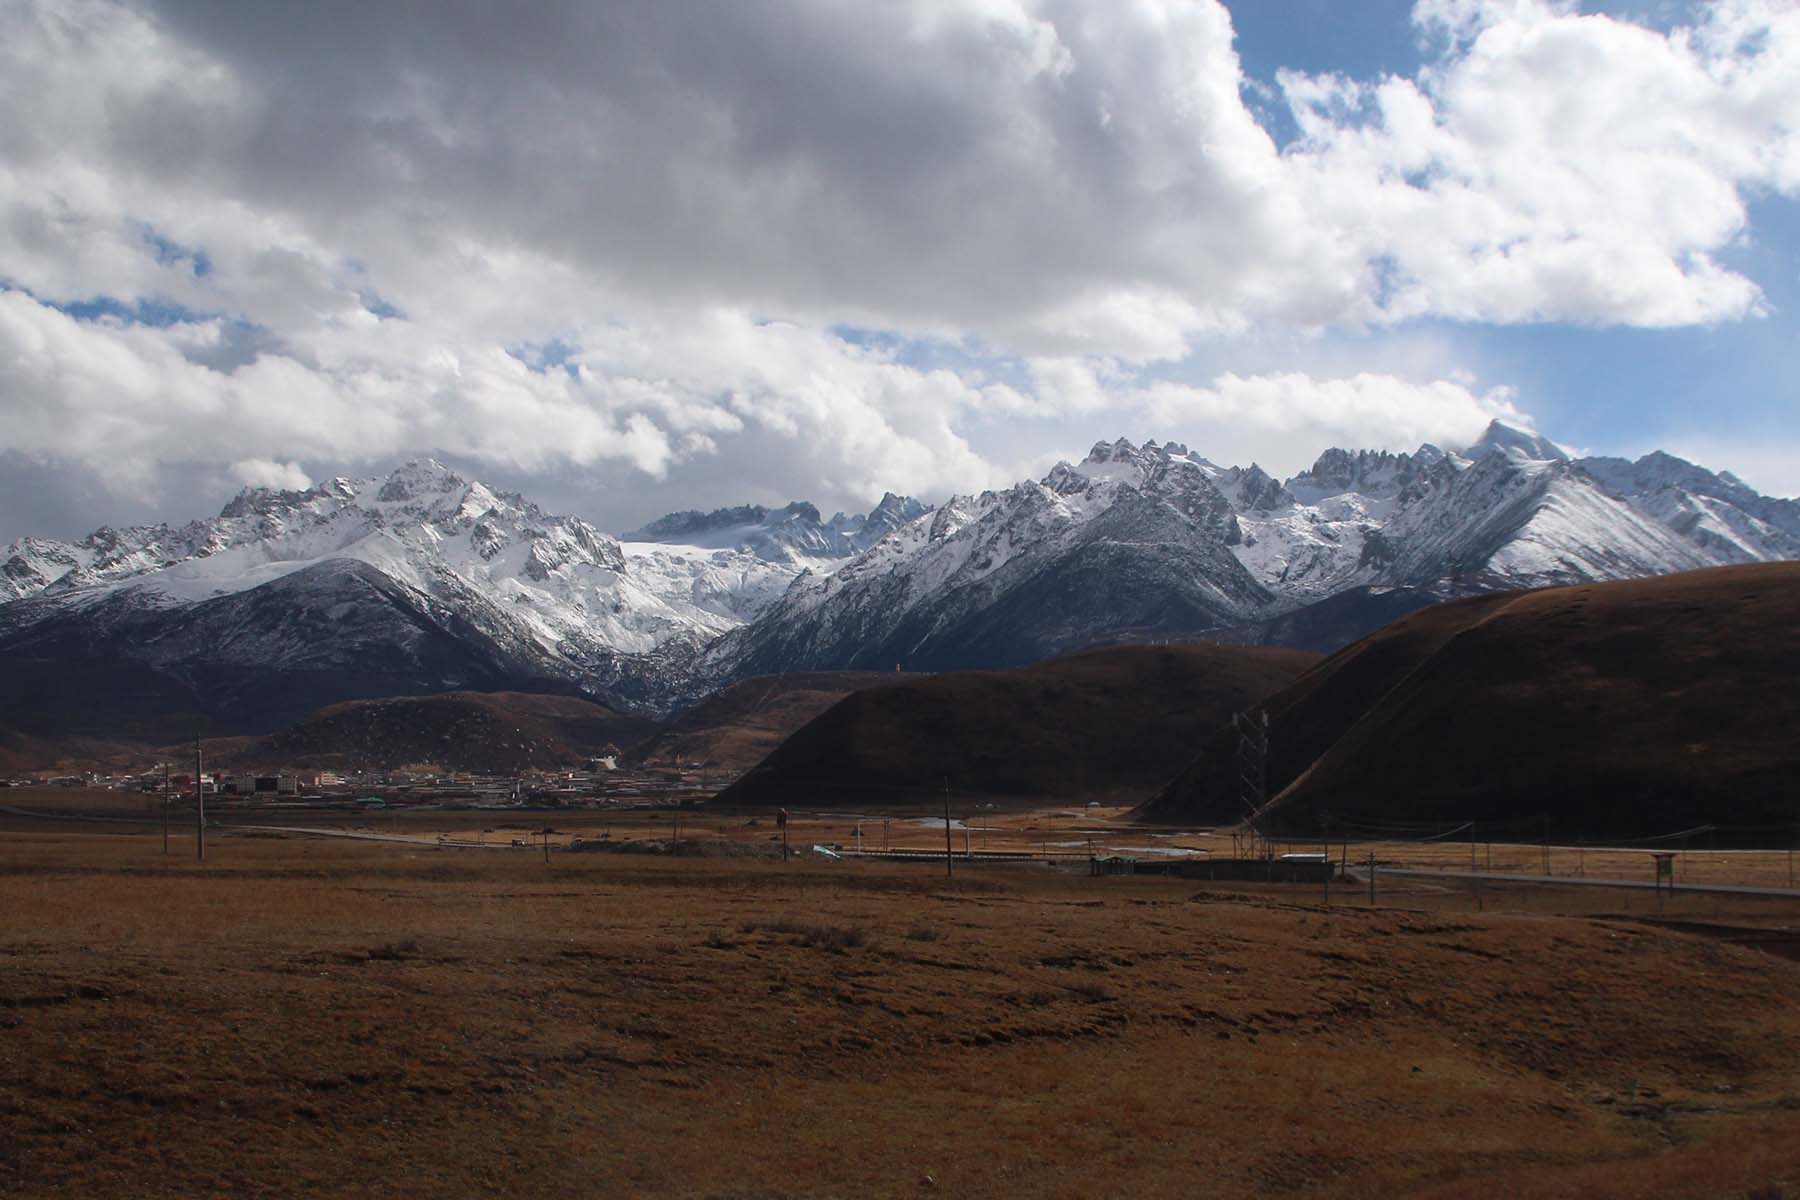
(304, 1017)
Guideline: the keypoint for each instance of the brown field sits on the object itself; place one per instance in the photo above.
(304, 1016)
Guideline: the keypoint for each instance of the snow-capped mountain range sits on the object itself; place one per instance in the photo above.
(691, 574)
(1156, 541)
(1134, 541)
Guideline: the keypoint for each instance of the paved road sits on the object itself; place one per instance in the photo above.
(1580, 881)
(184, 823)
(410, 839)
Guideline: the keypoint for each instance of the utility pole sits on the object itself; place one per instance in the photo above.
(199, 806)
(169, 786)
(948, 872)
(546, 832)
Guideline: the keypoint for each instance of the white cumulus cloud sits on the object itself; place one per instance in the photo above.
(266, 473)
(624, 239)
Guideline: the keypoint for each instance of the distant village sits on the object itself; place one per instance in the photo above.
(600, 783)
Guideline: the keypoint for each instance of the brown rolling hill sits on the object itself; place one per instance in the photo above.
(22, 752)
(1612, 710)
(737, 726)
(1107, 724)
(494, 731)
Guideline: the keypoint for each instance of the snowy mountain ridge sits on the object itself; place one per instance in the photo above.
(1132, 542)
(566, 583)
(1157, 541)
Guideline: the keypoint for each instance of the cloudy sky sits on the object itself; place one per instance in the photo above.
(631, 256)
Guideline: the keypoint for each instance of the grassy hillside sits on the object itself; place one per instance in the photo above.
(458, 730)
(21, 752)
(1622, 709)
(1103, 724)
(735, 727)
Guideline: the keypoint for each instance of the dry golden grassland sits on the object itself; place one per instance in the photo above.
(306, 1016)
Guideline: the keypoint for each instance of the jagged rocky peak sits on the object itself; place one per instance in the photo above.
(893, 511)
(1371, 472)
(795, 528)
(1065, 480)
(1256, 489)
(103, 539)
(260, 501)
(323, 497)
(692, 520)
(1119, 451)
(488, 539)
(798, 511)
(565, 542)
(737, 525)
(418, 479)
(1656, 471)
(1116, 461)
(1153, 466)
(601, 547)
(1190, 490)
(19, 577)
(1515, 443)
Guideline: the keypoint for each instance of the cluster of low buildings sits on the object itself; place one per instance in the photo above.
(599, 783)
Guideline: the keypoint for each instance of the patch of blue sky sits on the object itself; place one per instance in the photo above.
(1623, 390)
(1732, 377)
(170, 253)
(966, 357)
(546, 356)
(1363, 40)
(372, 301)
(881, 340)
(153, 311)
(1661, 15)
(1610, 389)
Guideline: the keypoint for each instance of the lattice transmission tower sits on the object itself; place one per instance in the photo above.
(1253, 768)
